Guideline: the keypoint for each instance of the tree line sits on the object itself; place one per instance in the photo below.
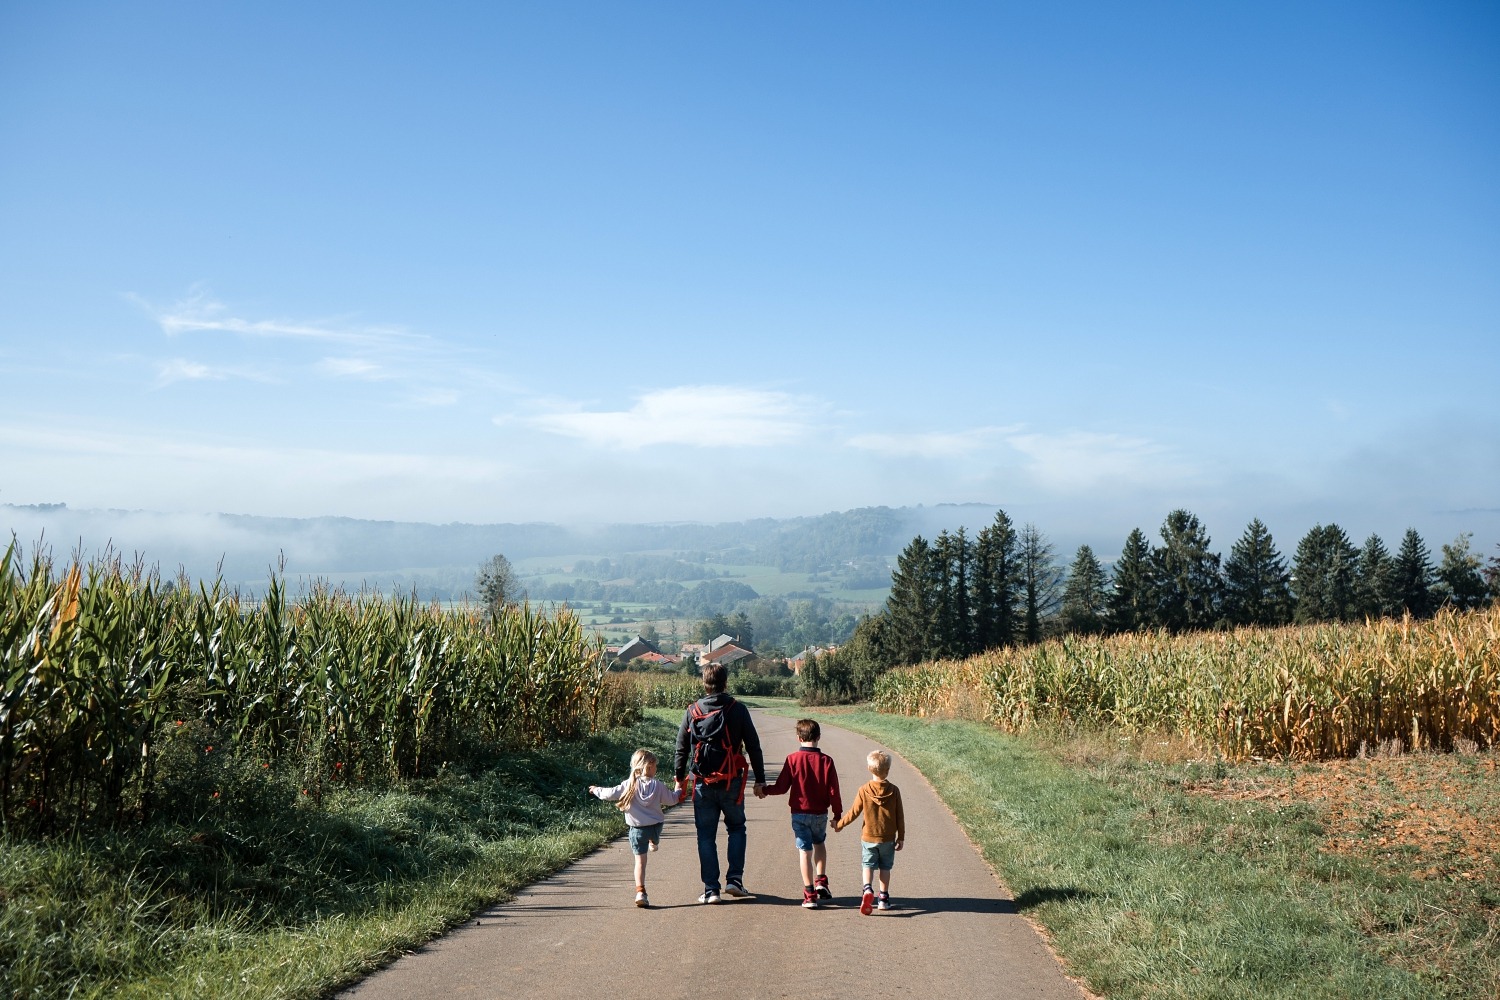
(956, 596)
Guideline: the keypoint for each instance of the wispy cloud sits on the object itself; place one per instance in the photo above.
(201, 313)
(934, 444)
(701, 416)
(357, 368)
(183, 370)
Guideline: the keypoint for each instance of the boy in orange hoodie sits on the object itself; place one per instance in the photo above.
(884, 830)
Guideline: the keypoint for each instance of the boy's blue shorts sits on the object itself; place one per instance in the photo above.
(810, 829)
(877, 856)
(640, 836)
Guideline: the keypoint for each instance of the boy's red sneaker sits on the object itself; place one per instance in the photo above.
(809, 899)
(867, 901)
(820, 886)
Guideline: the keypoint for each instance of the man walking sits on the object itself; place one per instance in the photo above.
(716, 735)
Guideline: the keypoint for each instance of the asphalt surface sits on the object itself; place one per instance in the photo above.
(954, 932)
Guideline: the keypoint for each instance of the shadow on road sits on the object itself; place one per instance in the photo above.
(917, 906)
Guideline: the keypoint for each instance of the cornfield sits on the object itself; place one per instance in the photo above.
(1305, 693)
(99, 664)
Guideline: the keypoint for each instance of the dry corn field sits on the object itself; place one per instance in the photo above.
(1304, 692)
(99, 665)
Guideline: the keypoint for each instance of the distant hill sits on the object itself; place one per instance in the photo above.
(439, 560)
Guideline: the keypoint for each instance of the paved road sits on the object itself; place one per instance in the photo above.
(954, 931)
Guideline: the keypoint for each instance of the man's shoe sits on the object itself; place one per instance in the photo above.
(735, 889)
(867, 901)
(641, 900)
(809, 899)
(821, 887)
(709, 896)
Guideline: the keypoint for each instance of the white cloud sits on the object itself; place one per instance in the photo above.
(1076, 460)
(183, 370)
(200, 313)
(701, 416)
(358, 368)
(934, 444)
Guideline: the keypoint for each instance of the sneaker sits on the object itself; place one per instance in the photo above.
(641, 900)
(709, 896)
(735, 889)
(867, 901)
(820, 886)
(809, 899)
(883, 901)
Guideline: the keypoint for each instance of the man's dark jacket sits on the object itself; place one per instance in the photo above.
(741, 734)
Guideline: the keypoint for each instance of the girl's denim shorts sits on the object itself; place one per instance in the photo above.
(641, 836)
(878, 856)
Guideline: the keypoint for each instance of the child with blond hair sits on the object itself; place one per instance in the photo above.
(641, 798)
(884, 830)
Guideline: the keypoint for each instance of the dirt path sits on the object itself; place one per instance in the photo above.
(953, 933)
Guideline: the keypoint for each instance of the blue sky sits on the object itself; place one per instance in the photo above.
(659, 262)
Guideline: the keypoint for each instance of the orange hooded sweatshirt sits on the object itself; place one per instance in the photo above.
(885, 820)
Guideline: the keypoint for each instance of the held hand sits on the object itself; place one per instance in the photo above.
(760, 789)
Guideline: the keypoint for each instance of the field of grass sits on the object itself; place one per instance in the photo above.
(1158, 875)
(289, 902)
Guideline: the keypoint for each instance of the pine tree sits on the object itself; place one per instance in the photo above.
(1188, 585)
(1414, 577)
(1041, 583)
(1460, 582)
(955, 625)
(995, 585)
(1085, 600)
(1257, 585)
(1130, 598)
(1324, 576)
(912, 607)
(1375, 580)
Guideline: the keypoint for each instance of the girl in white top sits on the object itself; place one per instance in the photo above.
(641, 798)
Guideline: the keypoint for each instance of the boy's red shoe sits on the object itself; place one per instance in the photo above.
(820, 886)
(867, 901)
(809, 899)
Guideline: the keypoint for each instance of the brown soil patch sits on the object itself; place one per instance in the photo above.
(1435, 816)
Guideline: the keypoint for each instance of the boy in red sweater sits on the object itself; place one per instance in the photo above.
(813, 781)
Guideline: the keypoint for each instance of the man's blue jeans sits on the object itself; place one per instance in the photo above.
(709, 803)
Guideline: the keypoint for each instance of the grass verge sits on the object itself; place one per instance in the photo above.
(1171, 878)
(295, 902)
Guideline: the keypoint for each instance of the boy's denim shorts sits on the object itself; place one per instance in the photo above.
(878, 856)
(810, 829)
(640, 836)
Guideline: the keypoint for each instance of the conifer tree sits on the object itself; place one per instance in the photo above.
(1133, 586)
(1460, 581)
(1085, 600)
(995, 584)
(1375, 579)
(1257, 585)
(1041, 583)
(1324, 578)
(912, 607)
(955, 625)
(1413, 577)
(1188, 585)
